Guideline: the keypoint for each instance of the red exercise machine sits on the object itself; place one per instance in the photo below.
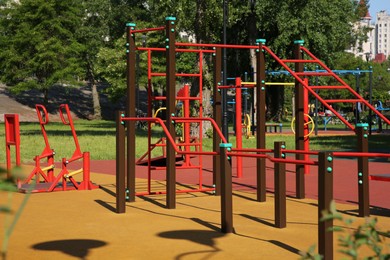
(65, 179)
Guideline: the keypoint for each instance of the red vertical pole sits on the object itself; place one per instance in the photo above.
(86, 172)
(238, 125)
(306, 126)
(201, 115)
(186, 114)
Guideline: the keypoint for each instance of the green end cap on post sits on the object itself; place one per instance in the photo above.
(361, 125)
(131, 25)
(225, 145)
(170, 18)
(299, 42)
(262, 41)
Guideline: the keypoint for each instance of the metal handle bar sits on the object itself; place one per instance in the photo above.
(41, 110)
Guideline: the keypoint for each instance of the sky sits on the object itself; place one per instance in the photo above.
(378, 5)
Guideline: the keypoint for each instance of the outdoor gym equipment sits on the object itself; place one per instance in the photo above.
(302, 56)
(223, 151)
(309, 122)
(381, 109)
(185, 142)
(12, 138)
(48, 153)
(65, 179)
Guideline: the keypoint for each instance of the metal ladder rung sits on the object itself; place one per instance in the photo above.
(328, 87)
(300, 61)
(343, 100)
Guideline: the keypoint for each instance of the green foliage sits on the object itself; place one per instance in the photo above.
(38, 43)
(351, 240)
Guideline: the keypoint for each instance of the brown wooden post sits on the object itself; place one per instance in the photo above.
(226, 189)
(325, 196)
(280, 186)
(260, 120)
(363, 176)
(171, 108)
(299, 124)
(130, 110)
(217, 115)
(120, 164)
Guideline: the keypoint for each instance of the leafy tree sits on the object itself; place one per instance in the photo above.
(38, 44)
(93, 34)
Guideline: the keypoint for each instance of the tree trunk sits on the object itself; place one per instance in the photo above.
(97, 111)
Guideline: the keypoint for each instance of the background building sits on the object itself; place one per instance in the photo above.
(382, 36)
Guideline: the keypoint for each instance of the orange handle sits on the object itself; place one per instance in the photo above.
(41, 110)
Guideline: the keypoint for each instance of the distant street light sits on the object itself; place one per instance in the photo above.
(368, 56)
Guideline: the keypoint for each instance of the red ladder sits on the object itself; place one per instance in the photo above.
(325, 72)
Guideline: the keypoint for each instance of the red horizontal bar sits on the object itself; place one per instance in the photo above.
(253, 150)
(377, 177)
(302, 162)
(343, 100)
(177, 50)
(148, 30)
(300, 152)
(215, 126)
(188, 74)
(357, 154)
(159, 168)
(188, 98)
(204, 45)
(161, 74)
(300, 61)
(328, 87)
(250, 155)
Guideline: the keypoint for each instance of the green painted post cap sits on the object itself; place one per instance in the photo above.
(261, 41)
(130, 24)
(361, 125)
(299, 42)
(225, 145)
(170, 18)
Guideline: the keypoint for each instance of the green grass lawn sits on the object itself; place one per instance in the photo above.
(98, 137)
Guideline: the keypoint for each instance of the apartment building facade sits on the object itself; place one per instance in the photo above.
(382, 36)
